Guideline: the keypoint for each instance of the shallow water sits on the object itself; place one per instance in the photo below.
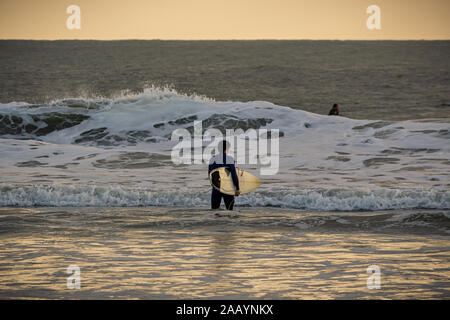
(175, 252)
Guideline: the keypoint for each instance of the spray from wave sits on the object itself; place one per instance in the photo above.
(127, 119)
(326, 163)
(322, 200)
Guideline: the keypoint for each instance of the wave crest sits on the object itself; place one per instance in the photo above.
(319, 199)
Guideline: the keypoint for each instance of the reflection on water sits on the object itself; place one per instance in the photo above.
(124, 253)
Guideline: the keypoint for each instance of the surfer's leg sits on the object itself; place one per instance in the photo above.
(216, 198)
(229, 201)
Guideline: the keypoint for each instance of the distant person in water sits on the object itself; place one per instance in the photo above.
(223, 160)
(334, 111)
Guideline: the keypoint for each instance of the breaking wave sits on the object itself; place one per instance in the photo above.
(130, 119)
(335, 163)
(319, 199)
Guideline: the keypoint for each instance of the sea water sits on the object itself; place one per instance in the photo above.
(87, 179)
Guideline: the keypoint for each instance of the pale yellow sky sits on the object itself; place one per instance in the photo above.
(225, 19)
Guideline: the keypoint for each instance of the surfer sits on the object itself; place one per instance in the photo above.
(334, 110)
(223, 160)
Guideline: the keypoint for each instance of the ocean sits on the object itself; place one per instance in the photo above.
(87, 175)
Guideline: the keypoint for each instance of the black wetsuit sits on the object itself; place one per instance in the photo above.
(223, 160)
(334, 112)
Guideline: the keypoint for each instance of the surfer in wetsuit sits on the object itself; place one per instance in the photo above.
(334, 110)
(223, 160)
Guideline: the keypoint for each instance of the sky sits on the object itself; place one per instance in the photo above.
(225, 19)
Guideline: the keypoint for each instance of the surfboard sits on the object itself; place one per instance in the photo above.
(221, 180)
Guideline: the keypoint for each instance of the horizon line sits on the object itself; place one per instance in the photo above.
(230, 39)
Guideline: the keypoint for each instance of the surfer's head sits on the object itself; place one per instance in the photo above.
(224, 145)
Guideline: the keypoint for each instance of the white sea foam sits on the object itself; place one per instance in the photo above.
(323, 200)
(122, 144)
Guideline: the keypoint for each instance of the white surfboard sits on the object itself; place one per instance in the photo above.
(221, 180)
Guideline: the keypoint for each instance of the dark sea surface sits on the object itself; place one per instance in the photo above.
(390, 80)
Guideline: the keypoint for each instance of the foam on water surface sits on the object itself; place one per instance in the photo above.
(116, 152)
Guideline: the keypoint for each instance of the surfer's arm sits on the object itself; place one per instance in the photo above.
(234, 176)
(210, 168)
